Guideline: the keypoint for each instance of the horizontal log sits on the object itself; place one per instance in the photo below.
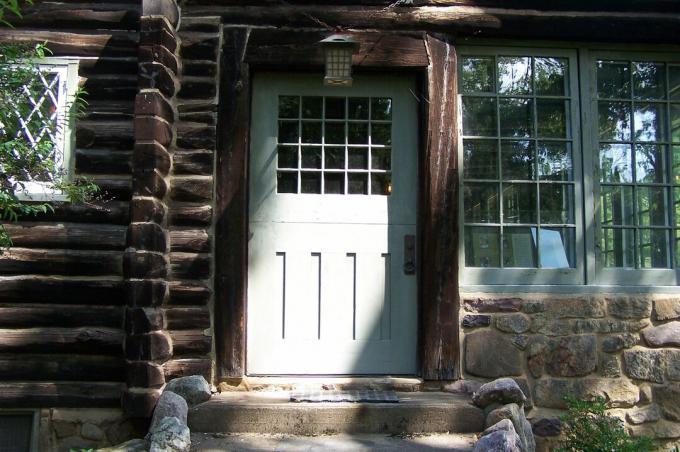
(203, 68)
(201, 105)
(560, 5)
(67, 235)
(109, 110)
(196, 240)
(207, 117)
(190, 265)
(110, 43)
(462, 20)
(62, 368)
(93, 15)
(187, 318)
(190, 343)
(194, 135)
(189, 214)
(95, 341)
(93, 66)
(102, 161)
(105, 134)
(114, 187)
(106, 211)
(41, 289)
(110, 86)
(199, 46)
(61, 316)
(177, 368)
(54, 395)
(192, 188)
(198, 87)
(189, 293)
(281, 47)
(61, 262)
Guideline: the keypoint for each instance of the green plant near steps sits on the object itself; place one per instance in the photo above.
(588, 428)
(28, 148)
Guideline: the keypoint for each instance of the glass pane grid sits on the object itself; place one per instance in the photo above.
(334, 145)
(508, 120)
(636, 122)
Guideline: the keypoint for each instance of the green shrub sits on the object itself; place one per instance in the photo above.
(588, 428)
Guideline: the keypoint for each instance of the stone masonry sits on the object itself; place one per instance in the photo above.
(625, 348)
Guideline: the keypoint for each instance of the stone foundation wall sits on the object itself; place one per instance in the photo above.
(63, 429)
(625, 348)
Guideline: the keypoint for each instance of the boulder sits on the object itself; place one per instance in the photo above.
(194, 389)
(547, 427)
(505, 359)
(169, 405)
(644, 364)
(463, 386)
(515, 414)
(503, 390)
(170, 435)
(641, 415)
(668, 398)
(500, 437)
(667, 309)
(666, 335)
(513, 323)
(572, 356)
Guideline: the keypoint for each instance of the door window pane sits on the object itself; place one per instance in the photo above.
(514, 75)
(552, 77)
(554, 161)
(517, 117)
(482, 246)
(479, 116)
(517, 160)
(649, 81)
(480, 159)
(477, 75)
(613, 79)
(519, 203)
(519, 247)
(481, 203)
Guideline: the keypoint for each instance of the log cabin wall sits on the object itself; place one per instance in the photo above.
(62, 295)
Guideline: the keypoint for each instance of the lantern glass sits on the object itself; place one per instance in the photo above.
(338, 65)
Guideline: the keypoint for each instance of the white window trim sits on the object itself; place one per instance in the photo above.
(43, 191)
(589, 273)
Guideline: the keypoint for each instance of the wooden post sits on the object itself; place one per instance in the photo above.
(439, 271)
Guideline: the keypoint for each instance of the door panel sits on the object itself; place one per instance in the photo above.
(332, 195)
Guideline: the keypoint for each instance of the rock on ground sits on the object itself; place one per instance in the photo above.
(515, 414)
(503, 390)
(169, 405)
(171, 435)
(134, 445)
(500, 437)
(194, 389)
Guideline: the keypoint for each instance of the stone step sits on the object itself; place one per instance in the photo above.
(272, 412)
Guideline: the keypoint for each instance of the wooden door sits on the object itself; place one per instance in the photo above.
(332, 219)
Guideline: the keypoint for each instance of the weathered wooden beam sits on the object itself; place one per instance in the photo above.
(190, 343)
(231, 206)
(86, 15)
(189, 293)
(267, 47)
(107, 211)
(71, 394)
(190, 214)
(187, 318)
(60, 262)
(186, 367)
(61, 316)
(439, 219)
(461, 20)
(103, 134)
(67, 235)
(103, 161)
(27, 367)
(95, 341)
(190, 265)
(192, 188)
(110, 43)
(195, 162)
(193, 240)
(53, 290)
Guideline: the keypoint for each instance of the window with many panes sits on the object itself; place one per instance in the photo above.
(544, 203)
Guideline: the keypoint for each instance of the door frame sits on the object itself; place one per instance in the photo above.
(433, 60)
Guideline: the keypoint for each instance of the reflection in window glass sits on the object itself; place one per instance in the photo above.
(518, 184)
(635, 196)
(334, 145)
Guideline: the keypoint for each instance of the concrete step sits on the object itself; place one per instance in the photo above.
(272, 412)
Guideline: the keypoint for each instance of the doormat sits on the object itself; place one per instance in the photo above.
(368, 396)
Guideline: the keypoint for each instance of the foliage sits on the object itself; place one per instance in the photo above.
(588, 428)
(29, 129)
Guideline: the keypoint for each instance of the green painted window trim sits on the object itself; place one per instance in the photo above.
(588, 270)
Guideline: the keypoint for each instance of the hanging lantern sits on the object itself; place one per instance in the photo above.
(338, 50)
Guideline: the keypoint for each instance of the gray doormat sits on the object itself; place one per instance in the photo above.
(368, 396)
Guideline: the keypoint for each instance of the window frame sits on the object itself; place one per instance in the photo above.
(44, 191)
(589, 270)
(542, 276)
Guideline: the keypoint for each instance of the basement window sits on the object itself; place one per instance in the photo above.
(571, 173)
(18, 431)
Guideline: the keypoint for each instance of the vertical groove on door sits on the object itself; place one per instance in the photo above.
(283, 293)
(353, 257)
(318, 293)
(386, 314)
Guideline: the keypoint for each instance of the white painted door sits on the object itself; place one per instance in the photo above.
(333, 201)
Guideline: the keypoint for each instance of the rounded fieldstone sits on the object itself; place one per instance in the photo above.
(505, 359)
(194, 389)
(629, 307)
(513, 323)
(615, 343)
(169, 405)
(476, 321)
(503, 390)
(666, 335)
(91, 431)
(667, 309)
(515, 414)
(641, 415)
(643, 364)
(500, 437)
(170, 435)
(668, 398)
(572, 356)
(547, 427)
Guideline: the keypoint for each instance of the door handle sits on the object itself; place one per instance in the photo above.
(409, 254)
